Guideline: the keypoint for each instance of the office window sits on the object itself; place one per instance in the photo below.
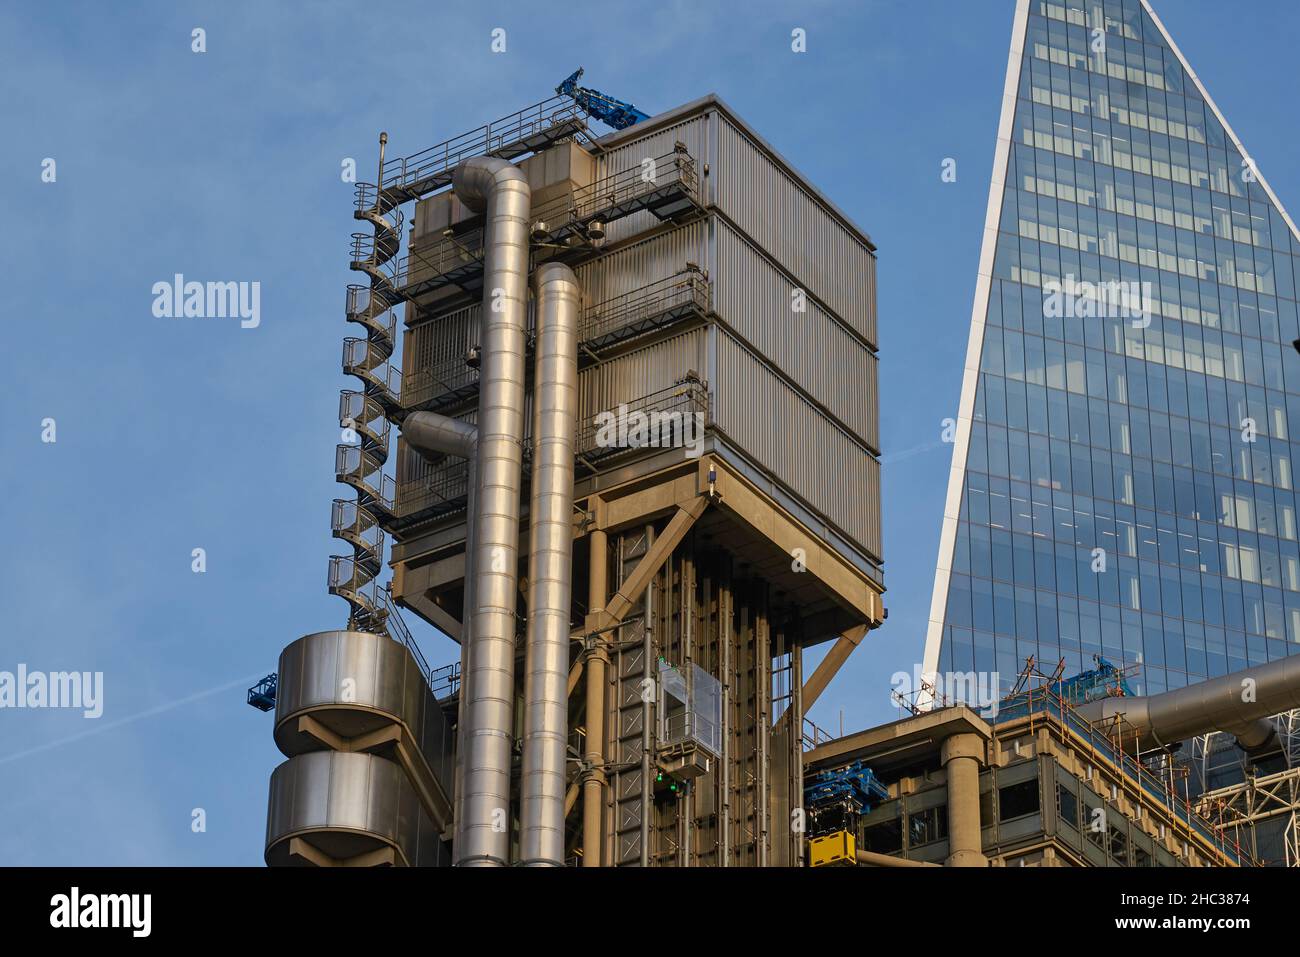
(1018, 800)
(927, 826)
(1067, 806)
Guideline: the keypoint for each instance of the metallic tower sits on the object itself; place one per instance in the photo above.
(684, 411)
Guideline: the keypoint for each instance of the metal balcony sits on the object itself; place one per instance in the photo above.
(529, 130)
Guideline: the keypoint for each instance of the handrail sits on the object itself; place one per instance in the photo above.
(687, 396)
(447, 677)
(687, 288)
(398, 631)
(400, 173)
(668, 169)
(1036, 701)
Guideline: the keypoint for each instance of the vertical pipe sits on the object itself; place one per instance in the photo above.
(763, 728)
(466, 630)
(593, 797)
(436, 436)
(647, 713)
(745, 710)
(686, 584)
(796, 743)
(724, 650)
(501, 190)
(550, 569)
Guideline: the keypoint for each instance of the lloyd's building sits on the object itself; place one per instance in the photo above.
(1122, 478)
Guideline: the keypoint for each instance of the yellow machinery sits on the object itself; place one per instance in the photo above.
(839, 848)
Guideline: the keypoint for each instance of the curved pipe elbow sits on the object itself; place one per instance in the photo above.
(434, 435)
(1257, 738)
(474, 180)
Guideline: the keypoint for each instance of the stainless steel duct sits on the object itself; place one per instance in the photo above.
(436, 436)
(1234, 703)
(499, 189)
(550, 568)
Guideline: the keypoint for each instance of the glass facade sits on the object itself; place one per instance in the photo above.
(1127, 488)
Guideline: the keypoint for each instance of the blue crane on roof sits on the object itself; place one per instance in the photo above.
(608, 110)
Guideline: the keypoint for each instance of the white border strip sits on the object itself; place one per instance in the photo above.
(975, 346)
(1223, 121)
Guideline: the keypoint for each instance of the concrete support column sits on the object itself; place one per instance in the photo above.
(593, 785)
(962, 756)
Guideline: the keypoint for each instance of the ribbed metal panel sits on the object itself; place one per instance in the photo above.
(831, 364)
(640, 373)
(433, 354)
(642, 263)
(437, 340)
(692, 132)
(799, 445)
(771, 207)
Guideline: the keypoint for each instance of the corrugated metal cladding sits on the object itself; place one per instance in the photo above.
(600, 387)
(694, 132)
(831, 364)
(640, 264)
(639, 373)
(799, 445)
(435, 343)
(795, 229)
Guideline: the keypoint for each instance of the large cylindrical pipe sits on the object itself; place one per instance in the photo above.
(962, 755)
(1233, 703)
(501, 191)
(436, 436)
(872, 859)
(593, 785)
(550, 568)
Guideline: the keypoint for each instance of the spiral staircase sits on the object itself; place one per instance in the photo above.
(367, 413)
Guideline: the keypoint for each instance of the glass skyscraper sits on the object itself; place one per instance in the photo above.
(1122, 478)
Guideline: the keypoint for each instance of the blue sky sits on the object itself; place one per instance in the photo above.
(177, 434)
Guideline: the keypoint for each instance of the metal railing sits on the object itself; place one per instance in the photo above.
(398, 631)
(446, 490)
(363, 254)
(451, 377)
(445, 681)
(1037, 703)
(558, 116)
(351, 522)
(667, 184)
(664, 412)
(671, 171)
(364, 471)
(646, 308)
(368, 360)
(814, 736)
(364, 307)
(363, 414)
(439, 263)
